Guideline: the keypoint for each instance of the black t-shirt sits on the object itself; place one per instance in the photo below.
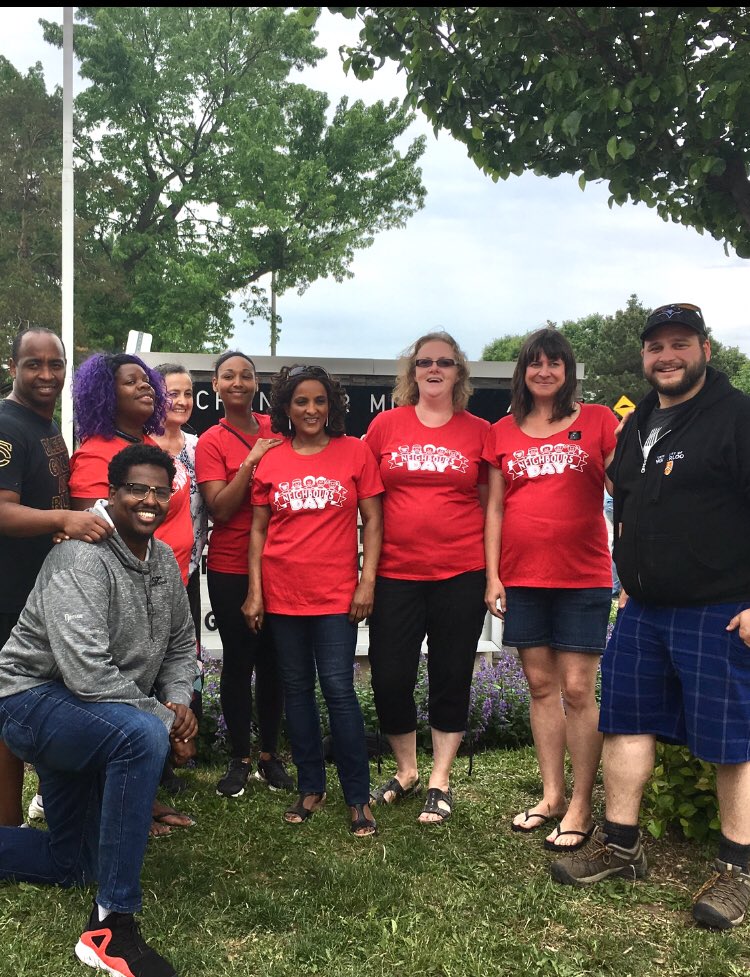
(659, 422)
(34, 463)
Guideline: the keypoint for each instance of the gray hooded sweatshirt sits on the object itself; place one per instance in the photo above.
(110, 627)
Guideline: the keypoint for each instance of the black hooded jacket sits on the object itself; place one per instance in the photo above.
(685, 513)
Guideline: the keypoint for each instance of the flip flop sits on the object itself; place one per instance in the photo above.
(543, 819)
(163, 817)
(567, 849)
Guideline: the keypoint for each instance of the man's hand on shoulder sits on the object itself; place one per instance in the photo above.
(82, 525)
(741, 621)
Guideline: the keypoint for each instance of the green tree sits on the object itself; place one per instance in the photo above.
(205, 168)
(655, 100)
(30, 154)
(505, 349)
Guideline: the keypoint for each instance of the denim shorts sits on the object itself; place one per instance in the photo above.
(565, 619)
(676, 673)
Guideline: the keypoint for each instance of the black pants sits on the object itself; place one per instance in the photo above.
(243, 652)
(451, 613)
(194, 599)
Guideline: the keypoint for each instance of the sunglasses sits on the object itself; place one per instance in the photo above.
(140, 492)
(667, 312)
(310, 371)
(442, 361)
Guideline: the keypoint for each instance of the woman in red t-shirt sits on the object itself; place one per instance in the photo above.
(304, 578)
(549, 569)
(431, 574)
(117, 401)
(225, 459)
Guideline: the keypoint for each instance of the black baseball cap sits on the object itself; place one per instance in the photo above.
(678, 313)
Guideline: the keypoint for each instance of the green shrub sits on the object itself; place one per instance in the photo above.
(681, 794)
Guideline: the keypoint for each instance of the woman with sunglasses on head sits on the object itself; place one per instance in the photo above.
(431, 578)
(549, 570)
(117, 401)
(225, 460)
(304, 578)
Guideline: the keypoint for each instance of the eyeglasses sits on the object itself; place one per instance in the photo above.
(312, 371)
(442, 361)
(140, 492)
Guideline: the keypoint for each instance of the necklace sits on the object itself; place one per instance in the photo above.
(127, 437)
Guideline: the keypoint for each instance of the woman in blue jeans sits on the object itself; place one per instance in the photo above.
(303, 577)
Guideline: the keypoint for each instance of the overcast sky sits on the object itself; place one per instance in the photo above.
(482, 259)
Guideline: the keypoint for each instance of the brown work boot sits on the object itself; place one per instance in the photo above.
(598, 860)
(722, 902)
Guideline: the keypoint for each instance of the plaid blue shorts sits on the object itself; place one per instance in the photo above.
(678, 674)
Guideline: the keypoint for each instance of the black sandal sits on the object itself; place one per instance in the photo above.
(362, 822)
(393, 786)
(298, 813)
(436, 798)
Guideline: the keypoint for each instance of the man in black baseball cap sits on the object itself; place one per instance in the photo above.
(677, 667)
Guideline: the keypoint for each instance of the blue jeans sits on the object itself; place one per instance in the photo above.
(99, 765)
(326, 642)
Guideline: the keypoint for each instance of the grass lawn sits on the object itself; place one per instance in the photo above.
(243, 894)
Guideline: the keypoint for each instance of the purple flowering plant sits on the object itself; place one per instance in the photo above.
(498, 706)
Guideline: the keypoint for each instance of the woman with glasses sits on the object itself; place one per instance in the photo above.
(431, 578)
(549, 571)
(304, 579)
(225, 461)
(117, 401)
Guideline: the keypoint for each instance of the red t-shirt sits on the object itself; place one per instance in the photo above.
(89, 480)
(218, 456)
(553, 531)
(432, 518)
(310, 561)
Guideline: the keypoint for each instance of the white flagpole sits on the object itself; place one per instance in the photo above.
(67, 225)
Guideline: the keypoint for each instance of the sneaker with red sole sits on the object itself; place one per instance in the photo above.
(116, 946)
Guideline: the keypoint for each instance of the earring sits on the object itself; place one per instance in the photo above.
(289, 422)
(325, 426)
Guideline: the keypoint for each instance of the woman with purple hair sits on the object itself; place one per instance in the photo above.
(117, 401)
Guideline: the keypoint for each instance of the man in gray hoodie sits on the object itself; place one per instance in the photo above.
(96, 678)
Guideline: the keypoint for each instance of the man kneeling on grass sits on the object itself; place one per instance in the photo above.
(97, 676)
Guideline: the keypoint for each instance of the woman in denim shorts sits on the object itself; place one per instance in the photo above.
(549, 571)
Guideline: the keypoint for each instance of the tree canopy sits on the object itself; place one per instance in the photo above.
(610, 348)
(655, 100)
(203, 167)
(30, 152)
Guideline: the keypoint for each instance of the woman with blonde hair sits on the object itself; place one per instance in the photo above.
(431, 575)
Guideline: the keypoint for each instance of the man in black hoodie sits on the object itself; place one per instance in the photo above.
(677, 667)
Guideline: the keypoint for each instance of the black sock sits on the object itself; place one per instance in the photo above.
(622, 835)
(734, 854)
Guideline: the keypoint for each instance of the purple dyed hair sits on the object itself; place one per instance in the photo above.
(95, 401)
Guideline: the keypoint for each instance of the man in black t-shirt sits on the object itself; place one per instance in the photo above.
(34, 467)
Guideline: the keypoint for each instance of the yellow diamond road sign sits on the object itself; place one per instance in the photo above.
(623, 406)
